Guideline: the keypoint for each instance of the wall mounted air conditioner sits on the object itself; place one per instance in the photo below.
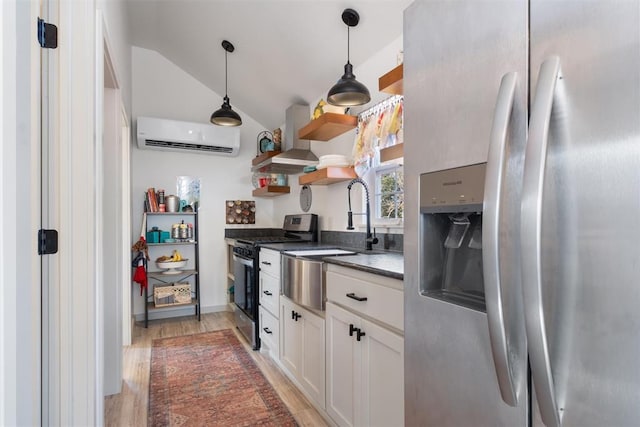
(173, 135)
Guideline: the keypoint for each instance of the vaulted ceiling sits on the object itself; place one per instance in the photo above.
(285, 51)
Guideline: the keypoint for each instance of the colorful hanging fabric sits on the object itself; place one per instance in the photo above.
(378, 127)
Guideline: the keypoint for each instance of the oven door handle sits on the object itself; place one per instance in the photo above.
(243, 261)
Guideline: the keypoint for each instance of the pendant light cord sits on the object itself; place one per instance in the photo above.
(226, 78)
(348, 44)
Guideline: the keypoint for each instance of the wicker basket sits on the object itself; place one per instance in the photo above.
(176, 294)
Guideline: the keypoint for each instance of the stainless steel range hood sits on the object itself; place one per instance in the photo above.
(296, 152)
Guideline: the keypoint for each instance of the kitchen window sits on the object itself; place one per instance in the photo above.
(387, 193)
(379, 129)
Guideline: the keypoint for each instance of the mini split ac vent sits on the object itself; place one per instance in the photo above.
(186, 146)
(173, 135)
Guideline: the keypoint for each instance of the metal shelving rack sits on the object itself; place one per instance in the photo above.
(160, 278)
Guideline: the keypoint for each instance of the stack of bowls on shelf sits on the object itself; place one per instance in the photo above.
(336, 160)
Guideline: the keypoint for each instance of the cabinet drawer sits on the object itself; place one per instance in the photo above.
(269, 262)
(270, 293)
(376, 297)
(269, 331)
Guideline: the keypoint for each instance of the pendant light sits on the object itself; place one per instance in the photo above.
(225, 116)
(348, 91)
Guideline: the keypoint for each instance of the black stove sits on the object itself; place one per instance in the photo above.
(296, 228)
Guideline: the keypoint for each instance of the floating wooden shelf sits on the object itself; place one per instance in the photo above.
(392, 81)
(264, 156)
(392, 152)
(327, 176)
(271, 191)
(328, 126)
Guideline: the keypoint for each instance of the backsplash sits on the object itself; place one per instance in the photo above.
(386, 242)
(234, 233)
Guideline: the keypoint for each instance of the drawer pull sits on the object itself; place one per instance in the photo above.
(267, 330)
(352, 329)
(357, 298)
(267, 293)
(266, 263)
(296, 316)
(359, 334)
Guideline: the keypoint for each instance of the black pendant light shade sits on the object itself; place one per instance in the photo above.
(225, 116)
(348, 91)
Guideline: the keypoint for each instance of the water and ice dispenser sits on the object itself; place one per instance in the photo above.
(451, 235)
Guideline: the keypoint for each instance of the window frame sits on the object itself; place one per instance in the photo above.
(371, 178)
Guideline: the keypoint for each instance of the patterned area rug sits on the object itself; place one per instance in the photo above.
(209, 379)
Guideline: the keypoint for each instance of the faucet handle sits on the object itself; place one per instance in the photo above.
(373, 239)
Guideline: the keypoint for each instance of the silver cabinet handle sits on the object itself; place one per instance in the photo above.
(494, 179)
(530, 238)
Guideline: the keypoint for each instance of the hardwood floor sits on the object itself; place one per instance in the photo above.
(129, 407)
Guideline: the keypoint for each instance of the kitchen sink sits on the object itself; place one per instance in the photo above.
(319, 252)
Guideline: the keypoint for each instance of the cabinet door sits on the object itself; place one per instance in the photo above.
(269, 293)
(270, 262)
(380, 397)
(290, 337)
(340, 365)
(269, 332)
(312, 368)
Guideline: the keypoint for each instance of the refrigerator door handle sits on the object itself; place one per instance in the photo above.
(530, 237)
(490, 239)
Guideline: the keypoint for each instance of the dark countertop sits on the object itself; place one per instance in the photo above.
(294, 246)
(389, 264)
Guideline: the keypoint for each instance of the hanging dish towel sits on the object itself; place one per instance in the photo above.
(140, 276)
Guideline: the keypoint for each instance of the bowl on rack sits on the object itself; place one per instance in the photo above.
(172, 266)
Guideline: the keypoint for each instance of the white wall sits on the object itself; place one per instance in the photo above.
(161, 89)
(330, 201)
(116, 27)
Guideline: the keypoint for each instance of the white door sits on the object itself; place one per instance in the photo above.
(20, 199)
(340, 365)
(312, 366)
(291, 337)
(381, 396)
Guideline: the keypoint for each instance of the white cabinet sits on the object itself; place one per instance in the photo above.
(302, 348)
(269, 332)
(269, 311)
(269, 292)
(365, 356)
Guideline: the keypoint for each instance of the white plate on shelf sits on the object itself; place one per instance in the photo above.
(336, 165)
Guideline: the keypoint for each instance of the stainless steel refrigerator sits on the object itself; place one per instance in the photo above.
(522, 308)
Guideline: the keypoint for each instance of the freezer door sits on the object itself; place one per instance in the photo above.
(455, 56)
(580, 211)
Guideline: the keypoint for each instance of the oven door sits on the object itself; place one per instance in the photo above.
(244, 273)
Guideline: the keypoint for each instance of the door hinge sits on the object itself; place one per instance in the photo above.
(47, 35)
(47, 242)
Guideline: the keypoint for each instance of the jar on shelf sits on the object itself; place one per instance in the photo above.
(183, 231)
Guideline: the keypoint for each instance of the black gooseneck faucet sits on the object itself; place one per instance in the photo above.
(371, 239)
